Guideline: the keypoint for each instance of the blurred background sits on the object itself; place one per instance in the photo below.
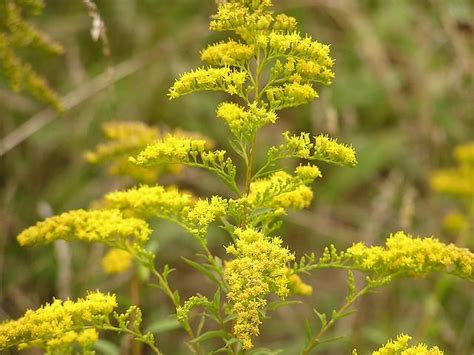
(403, 96)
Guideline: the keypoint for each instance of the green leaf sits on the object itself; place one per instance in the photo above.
(217, 300)
(307, 329)
(202, 270)
(346, 314)
(201, 323)
(229, 318)
(210, 335)
(106, 347)
(322, 317)
(272, 306)
(265, 351)
(331, 339)
(163, 325)
(177, 297)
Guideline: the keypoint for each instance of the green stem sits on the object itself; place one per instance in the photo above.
(317, 338)
(163, 283)
(138, 336)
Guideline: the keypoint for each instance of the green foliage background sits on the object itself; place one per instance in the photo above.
(403, 96)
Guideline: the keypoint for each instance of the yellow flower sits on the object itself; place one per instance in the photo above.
(182, 312)
(308, 172)
(209, 79)
(149, 201)
(16, 33)
(464, 153)
(290, 95)
(245, 122)
(284, 23)
(405, 255)
(157, 202)
(298, 287)
(455, 223)
(457, 181)
(329, 150)
(259, 268)
(57, 326)
(294, 45)
(103, 226)
(117, 261)
(171, 149)
(125, 138)
(400, 346)
(198, 217)
(229, 53)
(280, 190)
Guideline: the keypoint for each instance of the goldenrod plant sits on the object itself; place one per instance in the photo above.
(265, 67)
(16, 33)
(400, 346)
(458, 183)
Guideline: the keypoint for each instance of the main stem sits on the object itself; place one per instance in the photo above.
(248, 176)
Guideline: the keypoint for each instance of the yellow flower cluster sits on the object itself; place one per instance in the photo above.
(400, 346)
(56, 327)
(149, 201)
(146, 202)
(15, 34)
(125, 138)
(229, 53)
(182, 312)
(455, 223)
(116, 261)
(329, 150)
(457, 181)
(464, 153)
(171, 149)
(404, 255)
(104, 226)
(294, 45)
(282, 191)
(290, 95)
(324, 149)
(246, 20)
(299, 146)
(308, 173)
(224, 79)
(176, 149)
(284, 23)
(244, 123)
(304, 71)
(198, 217)
(298, 287)
(259, 268)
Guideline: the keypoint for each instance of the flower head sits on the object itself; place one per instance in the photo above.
(281, 191)
(401, 346)
(258, 269)
(124, 138)
(464, 153)
(117, 261)
(57, 326)
(149, 201)
(242, 122)
(329, 150)
(104, 226)
(224, 79)
(405, 255)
